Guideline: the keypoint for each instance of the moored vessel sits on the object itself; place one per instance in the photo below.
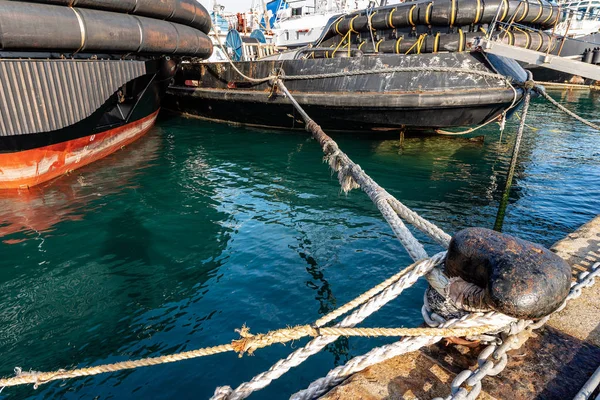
(414, 65)
(425, 98)
(80, 82)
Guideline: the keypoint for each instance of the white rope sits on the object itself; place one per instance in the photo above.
(314, 346)
(403, 346)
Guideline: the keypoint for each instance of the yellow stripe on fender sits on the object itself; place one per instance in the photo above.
(410, 16)
(390, 23)
(398, 45)
(540, 13)
(428, 13)
(478, 12)
(352, 24)
(505, 6)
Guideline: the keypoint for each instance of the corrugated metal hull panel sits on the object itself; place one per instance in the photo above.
(46, 95)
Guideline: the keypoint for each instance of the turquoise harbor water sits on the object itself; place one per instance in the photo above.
(199, 228)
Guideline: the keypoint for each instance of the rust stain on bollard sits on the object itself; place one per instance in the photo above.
(521, 279)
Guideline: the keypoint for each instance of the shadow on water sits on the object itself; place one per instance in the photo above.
(128, 240)
(324, 296)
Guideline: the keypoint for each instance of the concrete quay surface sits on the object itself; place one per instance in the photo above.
(553, 364)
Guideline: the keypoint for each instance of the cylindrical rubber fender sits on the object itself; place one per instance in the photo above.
(546, 13)
(187, 12)
(157, 37)
(406, 15)
(356, 23)
(517, 10)
(587, 56)
(507, 36)
(457, 12)
(536, 8)
(490, 10)
(395, 46)
(193, 42)
(452, 42)
(522, 39)
(444, 12)
(34, 27)
(123, 6)
(424, 13)
(469, 12)
(53, 28)
(108, 32)
(401, 45)
(548, 44)
(552, 18)
(537, 40)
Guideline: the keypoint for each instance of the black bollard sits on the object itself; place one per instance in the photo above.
(519, 278)
(596, 56)
(587, 56)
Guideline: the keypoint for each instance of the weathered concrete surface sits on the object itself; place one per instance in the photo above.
(581, 318)
(552, 365)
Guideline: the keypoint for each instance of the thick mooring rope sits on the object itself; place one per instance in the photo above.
(281, 367)
(562, 108)
(351, 176)
(405, 345)
(370, 302)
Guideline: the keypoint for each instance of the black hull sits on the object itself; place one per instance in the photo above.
(351, 117)
(422, 100)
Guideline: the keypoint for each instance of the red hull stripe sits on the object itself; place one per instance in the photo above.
(28, 168)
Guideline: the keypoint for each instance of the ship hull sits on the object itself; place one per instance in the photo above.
(373, 102)
(118, 110)
(27, 168)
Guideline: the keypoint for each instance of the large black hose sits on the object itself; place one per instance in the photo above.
(34, 27)
(448, 13)
(186, 12)
(450, 42)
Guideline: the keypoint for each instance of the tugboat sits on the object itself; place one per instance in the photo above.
(80, 81)
(436, 39)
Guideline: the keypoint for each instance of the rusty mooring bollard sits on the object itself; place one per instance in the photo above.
(518, 278)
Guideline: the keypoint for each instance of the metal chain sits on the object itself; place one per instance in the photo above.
(493, 359)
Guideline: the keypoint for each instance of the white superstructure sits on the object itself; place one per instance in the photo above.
(304, 21)
(585, 18)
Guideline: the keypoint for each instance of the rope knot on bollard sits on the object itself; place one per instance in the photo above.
(529, 84)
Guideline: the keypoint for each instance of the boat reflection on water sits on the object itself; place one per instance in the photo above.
(36, 210)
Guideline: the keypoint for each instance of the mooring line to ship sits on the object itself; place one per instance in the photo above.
(345, 168)
(370, 301)
(351, 176)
